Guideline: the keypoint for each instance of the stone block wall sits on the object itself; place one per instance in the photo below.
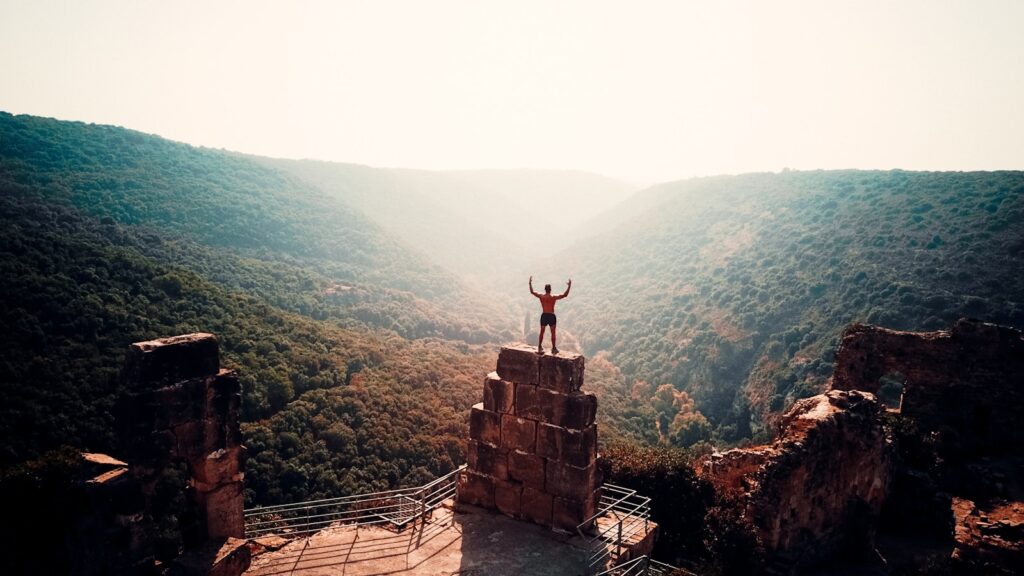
(533, 441)
(182, 408)
(968, 380)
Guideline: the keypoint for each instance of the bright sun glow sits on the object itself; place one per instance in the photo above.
(644, 91)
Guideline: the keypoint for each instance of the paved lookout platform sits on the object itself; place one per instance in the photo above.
(472, 541)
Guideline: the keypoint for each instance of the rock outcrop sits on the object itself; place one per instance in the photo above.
(818, 488)
(533, 441)
(968, 381)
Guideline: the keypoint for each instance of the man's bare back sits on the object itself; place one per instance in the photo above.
(547, 303)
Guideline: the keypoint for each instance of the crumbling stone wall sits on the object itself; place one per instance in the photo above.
(819, 487)
(181, 407)
(968, 380)
(533, 441)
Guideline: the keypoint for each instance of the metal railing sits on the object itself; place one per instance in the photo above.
(631, 513)
(645, 566)
(395, 507)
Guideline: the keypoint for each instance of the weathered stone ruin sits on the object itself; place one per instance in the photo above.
(968, 381)
(181, 414)
(961, 479)
(818, 488)
(951, 472)
(172, 504)
(533, 441)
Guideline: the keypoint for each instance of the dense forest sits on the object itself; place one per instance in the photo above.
(359, 357)
(374, 409)
(362, 335)
(252, 228)
(110, 236)
(721, 299)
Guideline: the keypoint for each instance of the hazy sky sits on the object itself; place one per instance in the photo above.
(645, 91)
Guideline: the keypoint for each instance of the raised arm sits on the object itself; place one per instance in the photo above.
(567, 288)
(531, 288)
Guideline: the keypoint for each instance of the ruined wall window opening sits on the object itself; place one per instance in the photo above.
(890, 390)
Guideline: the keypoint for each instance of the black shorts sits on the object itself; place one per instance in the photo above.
(548, 319)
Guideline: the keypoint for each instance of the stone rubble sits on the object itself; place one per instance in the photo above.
(992, 535)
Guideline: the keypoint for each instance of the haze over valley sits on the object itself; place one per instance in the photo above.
(731, 291)
(353, 198)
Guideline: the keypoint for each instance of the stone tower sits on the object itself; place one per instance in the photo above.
(533, 441)
(181, 407)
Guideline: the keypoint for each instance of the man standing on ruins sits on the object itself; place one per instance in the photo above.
(547, 317)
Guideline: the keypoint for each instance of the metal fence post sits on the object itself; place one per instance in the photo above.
(618, 543)
(423, 508)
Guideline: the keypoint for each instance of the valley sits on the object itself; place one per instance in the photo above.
(360, 303)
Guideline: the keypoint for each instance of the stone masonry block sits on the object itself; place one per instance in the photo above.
(574, 447)
(518, 433)
(527, 468)
(527, 403)
(576, 410)
(507, 497)
(157, 363)
(570, 482)
(567, 514)
(475, 489)
(518, 363)
(499, 395)
(537, 506)
(224, 401)
(548, 441)
(220, 557)
(562, 373)
(172, 405)
(224, 516)
(484, 425)
(579, 411)
(487, 459)
(550, 406)
(221, 465)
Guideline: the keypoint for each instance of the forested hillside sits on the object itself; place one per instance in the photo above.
(249, 225)
(76, 292)
(733, 290)
(704, 306)
(359, 357)
(108, 236)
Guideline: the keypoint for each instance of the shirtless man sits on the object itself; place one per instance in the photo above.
(547, 318)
